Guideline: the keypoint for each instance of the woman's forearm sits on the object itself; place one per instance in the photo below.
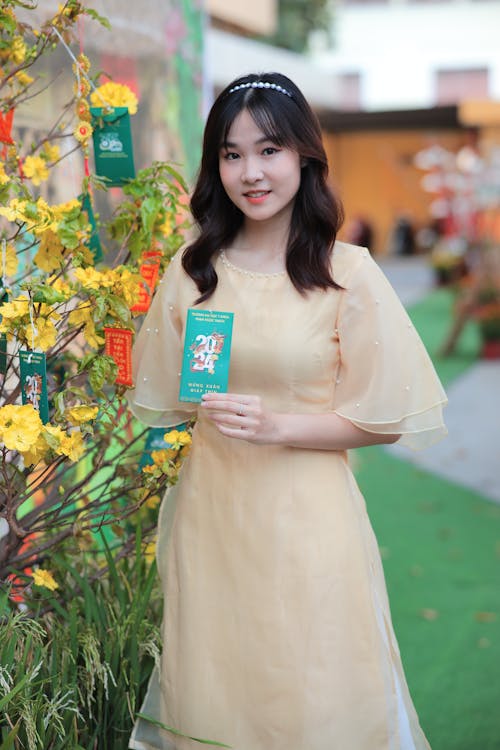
(325, 432)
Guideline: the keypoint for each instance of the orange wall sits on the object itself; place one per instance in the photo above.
(376, 178)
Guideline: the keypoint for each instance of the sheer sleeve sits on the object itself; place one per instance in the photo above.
(386, 382)
(157, 355)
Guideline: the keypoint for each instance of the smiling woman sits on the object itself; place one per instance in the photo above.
(277, 628)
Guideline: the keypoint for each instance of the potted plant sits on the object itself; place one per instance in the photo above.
(487, 314)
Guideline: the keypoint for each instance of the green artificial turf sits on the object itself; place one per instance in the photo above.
(440, 545)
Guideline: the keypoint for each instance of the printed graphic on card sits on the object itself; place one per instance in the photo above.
(206, 356)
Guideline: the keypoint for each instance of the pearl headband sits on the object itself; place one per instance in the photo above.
(261, 85)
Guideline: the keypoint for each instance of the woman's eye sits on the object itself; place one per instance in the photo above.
(230, 155)
(270, 150)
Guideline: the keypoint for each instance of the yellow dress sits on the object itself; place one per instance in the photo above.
(277, 632)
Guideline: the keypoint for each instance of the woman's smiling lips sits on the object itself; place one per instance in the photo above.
(256, 196)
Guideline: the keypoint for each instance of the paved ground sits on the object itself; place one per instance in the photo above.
(470, 455)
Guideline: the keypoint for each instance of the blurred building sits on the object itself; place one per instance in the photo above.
(231, 50)
(410, 74)
(394, 54)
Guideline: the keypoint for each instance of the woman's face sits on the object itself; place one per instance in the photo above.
(260, 177)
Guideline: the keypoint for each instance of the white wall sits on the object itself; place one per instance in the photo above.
(228, 56)
(397, 47)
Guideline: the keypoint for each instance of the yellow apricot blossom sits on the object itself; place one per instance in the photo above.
(45, 579)
(115, 95)
(150, 552)
(23, 78)
(11, 260)
(49, 256)
(35, 169)
(81, 413)
(18, 308)
(20, 426)
(72, 446)
(45, 334)
(36, 453)
(51, 152)
(92, 279)
(4, 178)
(177, 438)
(17, 50)
(82, 316)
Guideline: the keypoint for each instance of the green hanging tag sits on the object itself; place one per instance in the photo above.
(3, 354)
(34, 382)
(94, 241)
(4, 297)
(113, 152)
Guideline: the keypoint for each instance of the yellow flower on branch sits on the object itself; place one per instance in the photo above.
(114, 95)
(23, 78)
(35, 169)
(18, 308)
(177, 438)
(45, 579)
(51, 152)
(150, 552)
(20, 426)
(49, 256)
(81, 413)
(72, 446)
(36, 453)
(17, 50)
(11, 260)
(4, 177)
(45, 334)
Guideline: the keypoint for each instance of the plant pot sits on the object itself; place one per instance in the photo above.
(490, 349)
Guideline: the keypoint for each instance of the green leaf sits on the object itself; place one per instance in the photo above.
(8, 741)
(97, 17)
(179, 734)
(47, 294)
(118, 306)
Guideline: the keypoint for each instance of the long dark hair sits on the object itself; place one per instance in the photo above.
(285, 118)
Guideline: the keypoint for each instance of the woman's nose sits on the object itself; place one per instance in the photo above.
(252, 171)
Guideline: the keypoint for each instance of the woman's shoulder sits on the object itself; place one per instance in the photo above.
(346, 258)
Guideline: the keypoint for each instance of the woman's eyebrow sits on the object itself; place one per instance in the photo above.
(233, 144)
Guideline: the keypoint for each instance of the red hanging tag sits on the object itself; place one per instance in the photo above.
(149, 271)
(6, 127)
(118, 345)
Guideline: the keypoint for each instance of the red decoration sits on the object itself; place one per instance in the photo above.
(149, 271)
(118, 345)
(6, 127)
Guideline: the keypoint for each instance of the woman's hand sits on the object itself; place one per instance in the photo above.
(242, 416)
(245, 417)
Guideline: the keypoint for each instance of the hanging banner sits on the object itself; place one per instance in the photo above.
(94, 242)
(34, 382)
(4, 297)
(113, 152)
(118, 345)
(149, 271)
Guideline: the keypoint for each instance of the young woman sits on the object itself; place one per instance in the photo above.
(277, 630)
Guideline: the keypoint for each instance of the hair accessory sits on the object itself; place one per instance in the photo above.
(261, 85)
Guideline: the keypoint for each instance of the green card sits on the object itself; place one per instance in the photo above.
(94, 241)
(34, 382)
(113, 152)
(207, 349)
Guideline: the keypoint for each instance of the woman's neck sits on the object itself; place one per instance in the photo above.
(259, 248)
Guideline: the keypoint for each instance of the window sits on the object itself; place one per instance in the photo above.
(454, 85)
